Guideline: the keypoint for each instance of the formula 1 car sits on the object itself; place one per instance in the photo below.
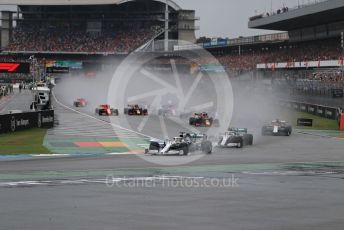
(167, 110)
(277, 128)
(202, 119)
(235, 137)
(80, 102)
(135, 110)
(184, 144)
(106, 110)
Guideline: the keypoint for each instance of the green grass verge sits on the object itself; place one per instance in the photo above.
(318, 122)
(23, 142)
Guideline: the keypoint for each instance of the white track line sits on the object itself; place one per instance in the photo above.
(49, 155)
(123, 154)
(97, 119)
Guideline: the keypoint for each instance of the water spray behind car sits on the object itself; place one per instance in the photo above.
(152, 80)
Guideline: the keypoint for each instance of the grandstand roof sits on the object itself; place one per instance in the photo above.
(302, 17)
(78, 2)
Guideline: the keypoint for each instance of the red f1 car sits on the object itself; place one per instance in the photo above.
(135, 110)
(202, 119)
(106, 110)
(80, 102)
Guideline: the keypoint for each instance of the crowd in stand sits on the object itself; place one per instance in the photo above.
(298, 52)
(327, 76)
(236, 62)
(281, 10)
(57, 40)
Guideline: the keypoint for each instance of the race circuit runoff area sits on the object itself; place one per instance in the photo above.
(263, 186)
(75, 132)
(78, 133)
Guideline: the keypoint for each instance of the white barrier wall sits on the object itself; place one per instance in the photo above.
(296, 65)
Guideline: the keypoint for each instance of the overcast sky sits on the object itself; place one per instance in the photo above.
(229, 18)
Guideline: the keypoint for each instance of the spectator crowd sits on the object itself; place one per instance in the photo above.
(326, 76)
(287, 52)
(123, 39)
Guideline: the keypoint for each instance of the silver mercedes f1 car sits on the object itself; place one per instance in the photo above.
(235, 137)
(184, 144)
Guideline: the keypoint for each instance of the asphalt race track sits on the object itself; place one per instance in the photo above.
(280, 182)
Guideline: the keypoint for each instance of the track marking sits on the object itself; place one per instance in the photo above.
(110, 180)
(49, 155)
(122, 154)
(309, 133)
(97, 119)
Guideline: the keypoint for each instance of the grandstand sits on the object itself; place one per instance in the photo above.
(64, 30)
(90, 32)
(306, 61)
(315, 34)
(117, 26)
(312, 40)
(311, 61)
(320, 20)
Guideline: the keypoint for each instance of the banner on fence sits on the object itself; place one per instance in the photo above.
(26, 120)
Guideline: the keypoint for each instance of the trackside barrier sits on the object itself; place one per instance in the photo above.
(317, 110)
(26, 120)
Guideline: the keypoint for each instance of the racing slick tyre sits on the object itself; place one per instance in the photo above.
(154, 146)
(185, 150)
(97, 111)
(76, 104)
(240, 144)
(248, 139)
(145, 112)
(182, 152)
(288, 132)
(191, 121)
(206, 147)
(126, 110)
(220, 141)
(114, 112)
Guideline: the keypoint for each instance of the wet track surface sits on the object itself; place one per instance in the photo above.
(272, 190)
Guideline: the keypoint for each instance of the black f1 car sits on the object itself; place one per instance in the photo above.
(135, 110)
(277, 128)
(203, 120)
(106, 110)
(181, 145)
(80, 102)
(235, 137)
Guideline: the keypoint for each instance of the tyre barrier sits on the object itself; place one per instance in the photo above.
(26, 120)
